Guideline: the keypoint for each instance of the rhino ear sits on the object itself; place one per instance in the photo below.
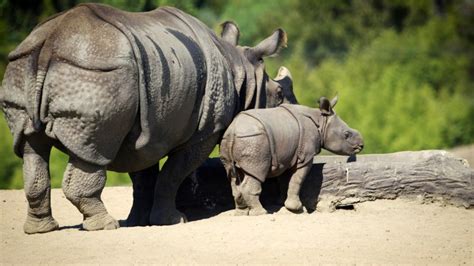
(334, 101)
(271, 45)
(230, 32)
(325, 106)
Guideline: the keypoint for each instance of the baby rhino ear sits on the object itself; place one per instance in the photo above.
(334, 101)
(325, 106)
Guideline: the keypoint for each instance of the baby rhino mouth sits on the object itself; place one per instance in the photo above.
(358, 148)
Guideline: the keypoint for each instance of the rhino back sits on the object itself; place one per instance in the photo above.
(185, 83)
(134, 79)
(284, 133)
(127, 88)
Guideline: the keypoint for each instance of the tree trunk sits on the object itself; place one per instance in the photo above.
(339, 182)
(428, 175)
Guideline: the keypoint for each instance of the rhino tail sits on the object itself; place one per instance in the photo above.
(44, 58)
(230, 149)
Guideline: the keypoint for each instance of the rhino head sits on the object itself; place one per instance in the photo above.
(280, 89)
(260, 90)
(336, 135)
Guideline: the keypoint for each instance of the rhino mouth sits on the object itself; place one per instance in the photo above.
(358, 148)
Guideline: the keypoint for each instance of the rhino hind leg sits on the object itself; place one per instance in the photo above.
(293, 202)
(241, 207)
(37, 185)
(251, 189)
(143, 194)
(82, 185)
(179, 165)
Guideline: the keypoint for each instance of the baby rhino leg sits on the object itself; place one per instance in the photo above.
(83, 184)
(251, 189)
(293, 202)
(241, 207)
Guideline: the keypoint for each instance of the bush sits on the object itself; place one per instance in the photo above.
(404, 91)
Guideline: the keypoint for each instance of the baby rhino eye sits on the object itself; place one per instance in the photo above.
(347, 134)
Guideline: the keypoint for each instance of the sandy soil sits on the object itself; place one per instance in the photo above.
(398, 231)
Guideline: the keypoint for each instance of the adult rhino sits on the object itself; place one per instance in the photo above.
(119, 91)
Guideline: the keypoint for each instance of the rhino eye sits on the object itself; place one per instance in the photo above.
(279, 95)
(347, 134)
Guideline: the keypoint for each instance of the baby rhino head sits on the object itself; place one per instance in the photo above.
(337, 136)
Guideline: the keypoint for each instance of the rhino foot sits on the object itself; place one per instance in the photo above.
(40, 225)
(138, 217)
(100, 222)
(167, 217)
(241, 212)
(294, 205)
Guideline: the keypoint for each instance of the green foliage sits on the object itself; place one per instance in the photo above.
(403, 69)
(404, 91)
(10, 165)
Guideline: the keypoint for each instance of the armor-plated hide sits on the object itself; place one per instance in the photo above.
(267, 142)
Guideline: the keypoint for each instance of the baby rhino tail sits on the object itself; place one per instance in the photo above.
(227, 152)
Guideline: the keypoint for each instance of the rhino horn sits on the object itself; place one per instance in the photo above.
(230, 32)
(283, 72)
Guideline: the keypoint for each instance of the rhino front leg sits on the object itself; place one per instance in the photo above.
(179, 165)
(143, 194)
(37, 185)
(83, 184)
(293, 202)
(251, 189)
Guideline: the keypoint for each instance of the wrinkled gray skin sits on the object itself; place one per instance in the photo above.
(119, 91)
(281, 141)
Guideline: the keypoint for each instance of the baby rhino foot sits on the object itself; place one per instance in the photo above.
(100, 222)
(40, 225)
(294, 205)
(241, 212)
(257, 211)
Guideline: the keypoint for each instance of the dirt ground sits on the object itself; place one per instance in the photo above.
(397, 231)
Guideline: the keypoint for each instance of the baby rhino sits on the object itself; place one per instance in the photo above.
(264, 143)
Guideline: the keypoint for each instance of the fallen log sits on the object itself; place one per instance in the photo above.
(340, 182)
(432, 175)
